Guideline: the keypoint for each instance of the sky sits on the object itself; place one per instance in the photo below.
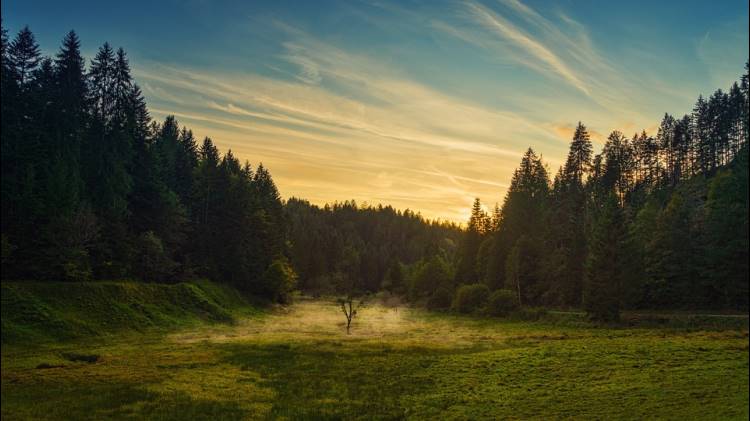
(422, 105)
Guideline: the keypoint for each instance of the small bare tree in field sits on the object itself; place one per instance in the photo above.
(348, 283)
(349, 309)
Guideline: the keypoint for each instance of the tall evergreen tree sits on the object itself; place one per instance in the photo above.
(619, 165)
(524, 214)
(606, 264)
(703, 147)
(467, 265)
(24, 57)
(579, 156)
(566, 224)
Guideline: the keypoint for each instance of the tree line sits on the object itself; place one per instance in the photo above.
(343, 246)
(93, 188)
(649, 222)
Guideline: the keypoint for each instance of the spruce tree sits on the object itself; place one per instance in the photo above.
(102, 85)
(24, 57)
(606, 264)
(566, 223)
(467, 266)
(579, 156)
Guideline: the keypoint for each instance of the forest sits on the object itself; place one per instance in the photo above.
(93, 188)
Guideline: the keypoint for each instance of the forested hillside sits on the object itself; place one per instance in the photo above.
(93, 188)
(333, 245)
(649, 222)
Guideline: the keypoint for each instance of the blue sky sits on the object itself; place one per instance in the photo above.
(422, 105)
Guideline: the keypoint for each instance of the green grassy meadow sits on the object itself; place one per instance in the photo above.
(297, 362)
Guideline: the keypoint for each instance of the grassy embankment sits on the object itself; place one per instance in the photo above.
(160, 355)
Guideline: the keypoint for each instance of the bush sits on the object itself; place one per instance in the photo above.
(470, 298)
(502, 302)
(279, 280)
(428, 276)
(440, 299)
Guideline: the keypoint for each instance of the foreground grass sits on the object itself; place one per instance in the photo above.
(298, 363)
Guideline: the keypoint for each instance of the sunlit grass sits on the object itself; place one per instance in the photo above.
(299, 363)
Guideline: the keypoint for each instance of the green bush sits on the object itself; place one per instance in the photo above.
(428, 276)
(502, 302)
(440, 299)
(470, 298)
(279, 280)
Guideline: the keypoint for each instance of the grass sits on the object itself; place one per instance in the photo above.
(399, 363)
(34, 312)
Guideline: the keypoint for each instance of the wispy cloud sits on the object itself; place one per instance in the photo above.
(308, 69)
(560, 48)
(335, 121)
(393, 137)
(540, 55)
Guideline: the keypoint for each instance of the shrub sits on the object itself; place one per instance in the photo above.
(502, 302)
(279, 280)
(470, 298)
(440, 299)
(429, 275)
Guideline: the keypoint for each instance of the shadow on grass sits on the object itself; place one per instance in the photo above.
(335, 380)
(82, 400)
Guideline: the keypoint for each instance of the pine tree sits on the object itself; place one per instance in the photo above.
(619, 165)
(565, 224)
(718, 140)
(107, 164)
(579, 156)
(735, 113)
(140, 129)
(467, 266)
(24, 57)
(701, 135)
(185, 163)
(665, 138)
(497, 218)
(606, 264)
(102, 85)
(524, 213)
(71, 85)
(123, 90)
(681, 150)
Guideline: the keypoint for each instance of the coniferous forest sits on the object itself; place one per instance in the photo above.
(93, 188)
(151, 272)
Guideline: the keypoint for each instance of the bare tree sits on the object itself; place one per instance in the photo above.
(349, 309)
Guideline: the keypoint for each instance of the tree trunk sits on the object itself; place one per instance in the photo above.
(518, 285)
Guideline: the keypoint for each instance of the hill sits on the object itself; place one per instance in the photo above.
(54, 311)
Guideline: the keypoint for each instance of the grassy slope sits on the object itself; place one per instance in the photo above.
(42, 311)
(297, 363)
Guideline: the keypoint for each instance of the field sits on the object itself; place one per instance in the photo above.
(297, 362)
